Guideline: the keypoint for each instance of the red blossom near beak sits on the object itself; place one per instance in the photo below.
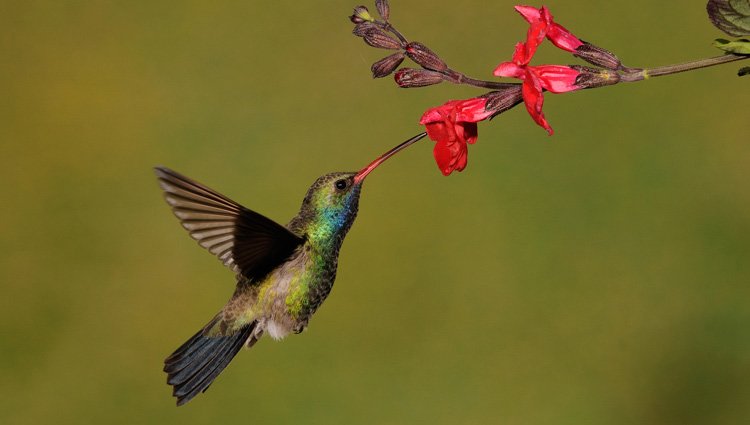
(542, 25)
(553, 78)
(452, 126)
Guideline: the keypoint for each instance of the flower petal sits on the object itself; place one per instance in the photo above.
(534, 100)
(556, 78)
(534, 37)
(431, 115)
(439, 113)
(519, 54)
(461, 158)
(441, 131)
(472, 110)
(509, 69)
(563, 38)
(444, 157)
(544, 15)
(530, 13)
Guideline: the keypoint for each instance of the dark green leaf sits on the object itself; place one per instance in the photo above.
(744, 71)
(730, 16)
(738, 47)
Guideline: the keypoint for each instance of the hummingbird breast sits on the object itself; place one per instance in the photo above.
(290, 295)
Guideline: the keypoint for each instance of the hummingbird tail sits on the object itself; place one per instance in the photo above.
(193, 367)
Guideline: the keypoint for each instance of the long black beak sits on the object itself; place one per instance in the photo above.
(374, 164)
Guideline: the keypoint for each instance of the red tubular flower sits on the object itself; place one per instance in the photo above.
(553, 78)
(534, 37)
(542, 25)
(452, 126)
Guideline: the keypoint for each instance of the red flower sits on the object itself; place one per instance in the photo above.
(542, 26)
(553, 78)
(536, 79)
(452, 126)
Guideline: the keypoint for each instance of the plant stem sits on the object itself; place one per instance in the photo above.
(644, 74)
(388, 27)
(453, 76)
(460, 78)
(486, 84)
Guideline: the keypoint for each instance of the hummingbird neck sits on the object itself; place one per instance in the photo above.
(327, 230)
(328, 211)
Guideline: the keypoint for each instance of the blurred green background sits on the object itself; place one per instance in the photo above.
(600, 276)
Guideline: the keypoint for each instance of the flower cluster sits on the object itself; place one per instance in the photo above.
(552, 78)
(454, 125)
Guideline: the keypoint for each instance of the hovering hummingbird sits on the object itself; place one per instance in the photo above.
(283, 273)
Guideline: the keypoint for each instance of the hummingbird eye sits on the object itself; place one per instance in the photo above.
(340, 184)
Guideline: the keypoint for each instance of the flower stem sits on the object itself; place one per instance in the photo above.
(643, 74)
(487, 84)
(388, 27)
(460, 78)
(453, 76)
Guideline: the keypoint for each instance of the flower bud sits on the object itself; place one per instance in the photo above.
(383, 9)
(376, 37)
(356, 19)
(425, 57)
(361, 28)
(597, 56)
(361, 14)
(411, 77)
(590, 78)
(387, 65)
(501, 100)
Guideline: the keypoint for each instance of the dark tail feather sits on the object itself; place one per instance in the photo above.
(193, 367)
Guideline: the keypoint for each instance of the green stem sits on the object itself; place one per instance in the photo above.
(643, 74)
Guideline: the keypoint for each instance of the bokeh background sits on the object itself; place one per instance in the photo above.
(598, 276)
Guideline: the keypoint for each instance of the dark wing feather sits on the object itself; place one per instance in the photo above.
(245, 241)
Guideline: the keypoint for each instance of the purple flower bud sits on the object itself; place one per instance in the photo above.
(411, 77)
(424, 57)
(501, 100)
(376, 37)
(387, 65)
(597, 56)
(361, 28)
(383, 9)
(590, 78)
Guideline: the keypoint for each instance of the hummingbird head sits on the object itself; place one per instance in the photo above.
(330, 207)
(331, 203)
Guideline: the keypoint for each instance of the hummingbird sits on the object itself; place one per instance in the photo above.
(283, 273)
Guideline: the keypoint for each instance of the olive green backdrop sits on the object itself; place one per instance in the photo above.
(600, 276)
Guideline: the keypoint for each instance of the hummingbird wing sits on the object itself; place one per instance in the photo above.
(245, 241)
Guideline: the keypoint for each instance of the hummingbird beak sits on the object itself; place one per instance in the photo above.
(360, 176)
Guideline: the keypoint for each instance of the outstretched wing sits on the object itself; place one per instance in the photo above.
(245, 241)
